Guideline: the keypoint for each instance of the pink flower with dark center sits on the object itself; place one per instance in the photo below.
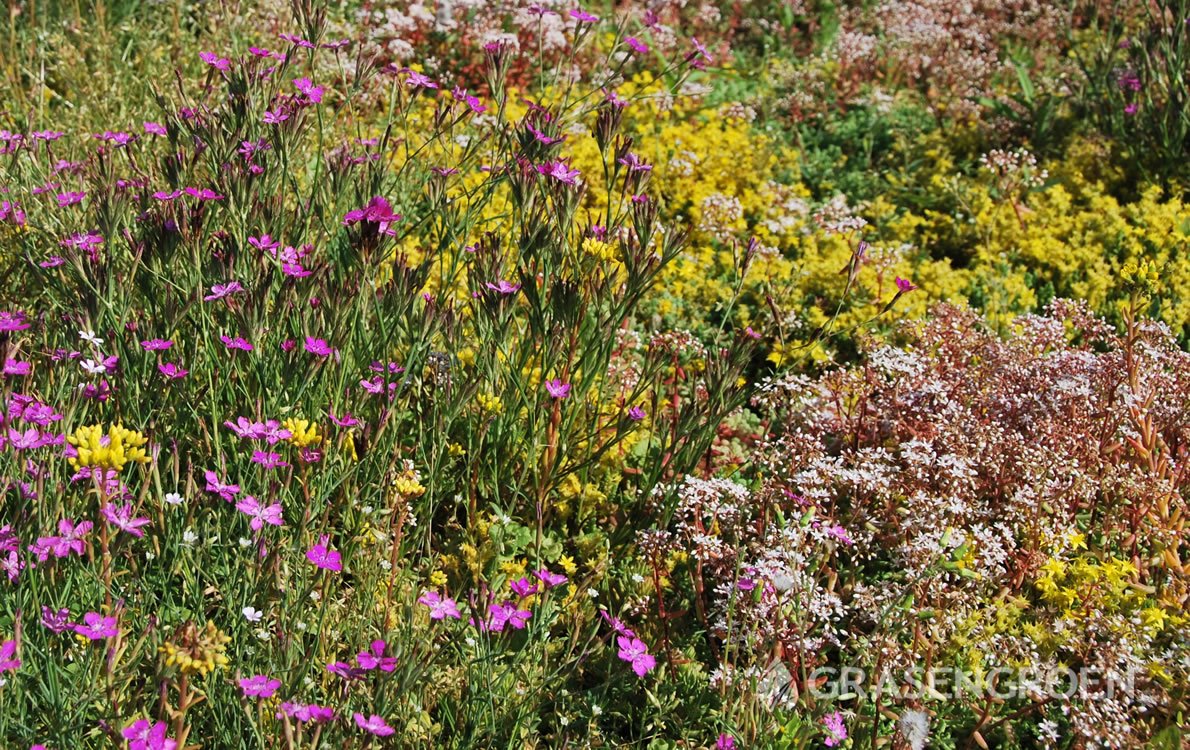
(904, 285)
(70, 199)
(156, 345)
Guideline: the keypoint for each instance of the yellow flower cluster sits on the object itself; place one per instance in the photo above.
(304, 433)
(196, 652)
(113, 449)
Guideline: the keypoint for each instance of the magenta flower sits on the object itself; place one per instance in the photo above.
(274, 117)
(12, 321)
(264, 243)
(259, 686)
(440, 607)
(216, 485)
(260, 513)
(324, 557)
(219, 291)
(582, 16)
(155, 128)
(373, 725)
(550, 579)
(378, 211)
(218, 63)
(309, 90)
(172, 371)
(635, 652)
(374, 658)
(236, 343)
(835, 728)
(559, 171)
(57, 622)
(123, 520)
(203, 194)
(70, 199)
(306, 712)
(269, 460)
(145, 736)
(8, 660)
(637, 45)
(156, 345)
(904, 286)
(557, 389)
(725, 742)
(503, 287)
(345, 670)
(415, 79)
(617, 624)
(97, 627)
(319, 347)
(523, 587)
(164, 195)
(13, 368)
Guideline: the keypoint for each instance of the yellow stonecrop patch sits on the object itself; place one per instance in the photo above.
(112, 449)
(197, 652)
(304, 432)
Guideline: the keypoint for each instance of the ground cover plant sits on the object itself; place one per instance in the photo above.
(652, 374)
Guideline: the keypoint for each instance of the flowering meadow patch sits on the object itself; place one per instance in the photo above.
(651, 374)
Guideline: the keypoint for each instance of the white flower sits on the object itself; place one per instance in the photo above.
(91, 338)
(301, 626)
(245, 542)
(189, 537)
(174, 498)
(592, 593)
(915, 728)
(93, 367)
(252, 614)
(263, 634)
(596, 709)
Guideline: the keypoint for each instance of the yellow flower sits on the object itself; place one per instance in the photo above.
(489, 403)
(112, 450)
(196, 652)
(304, 432)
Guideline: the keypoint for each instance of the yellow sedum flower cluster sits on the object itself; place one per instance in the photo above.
(113, 449)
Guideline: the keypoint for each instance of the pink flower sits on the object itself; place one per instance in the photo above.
(904, 286)
(503, 287)
(218, 63)
(219, 291)
(70, 199)
(8, 660)
(96, 627)
(275, 118)
(172, 371)
(145, 736)
(309, 90)
(306, 713)
(259, 513)
(637, 45)
(523, 587)
(582, 16)
(557, 389)
(550, 579)
(122, 519)
(155, 128)
(373, 725)
(268, 459)
(12, 321)
(156, 345)
(318, 347)
(416, 79)
(236, 343)
(835, 728)
(440, 607)
(259, 686)
(725, 742)
(374, 658)
(378, 211)
(216, 485)
(203, 194)
(559, 171)
(635, 652)
(324, 557)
